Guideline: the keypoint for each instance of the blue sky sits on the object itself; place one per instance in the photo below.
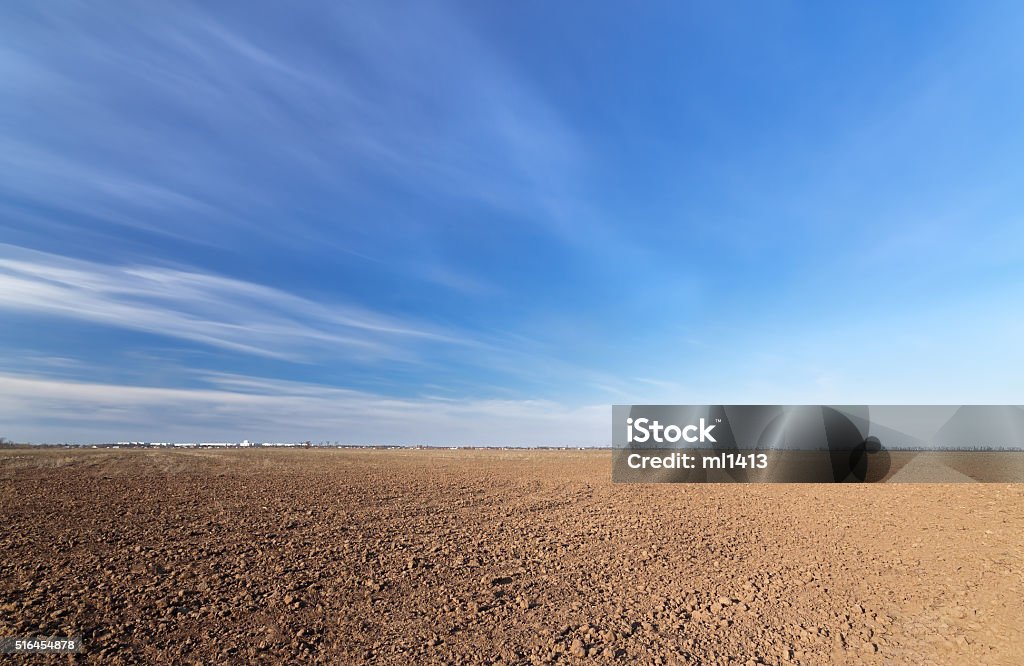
(486, 222)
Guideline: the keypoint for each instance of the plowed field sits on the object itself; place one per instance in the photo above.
(511, 557)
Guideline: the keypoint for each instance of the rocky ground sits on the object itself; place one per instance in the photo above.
(401, 557)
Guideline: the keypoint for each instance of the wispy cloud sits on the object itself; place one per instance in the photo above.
(236, 407)
(226, 123)
(204, 308)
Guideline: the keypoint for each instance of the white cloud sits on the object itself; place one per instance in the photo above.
(437, 111)
(231, 407)
(205, 308)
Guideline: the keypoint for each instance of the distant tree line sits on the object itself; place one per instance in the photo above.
(958, 448)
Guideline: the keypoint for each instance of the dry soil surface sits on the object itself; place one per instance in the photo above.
(399, 557)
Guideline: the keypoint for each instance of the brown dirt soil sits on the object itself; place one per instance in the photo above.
(399, 557)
